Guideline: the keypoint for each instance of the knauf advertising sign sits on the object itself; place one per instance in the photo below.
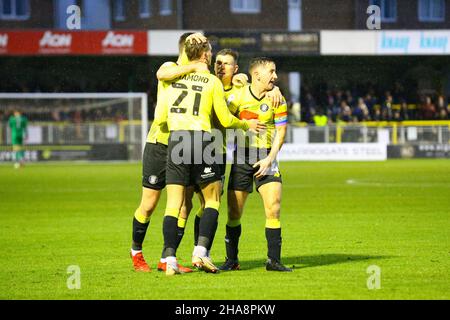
(413, 42)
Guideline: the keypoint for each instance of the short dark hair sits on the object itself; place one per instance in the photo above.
(255, 62)
(183, 38)
(195, 50)
(229, 52)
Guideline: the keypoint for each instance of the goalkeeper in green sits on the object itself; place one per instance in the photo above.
(18, 124)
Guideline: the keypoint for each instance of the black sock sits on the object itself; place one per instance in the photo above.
(139, 231)
(232, 241)
(212, 237)
(170, 236)
(273, 237)
(196, 229)
(180, 234)
(208, 227)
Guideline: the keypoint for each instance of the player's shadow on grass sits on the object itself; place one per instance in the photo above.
(301, 262)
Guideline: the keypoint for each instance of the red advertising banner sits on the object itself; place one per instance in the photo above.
(55, 42)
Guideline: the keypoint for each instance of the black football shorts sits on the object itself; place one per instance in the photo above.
(189, 160)
(242, 171)
(154, 166)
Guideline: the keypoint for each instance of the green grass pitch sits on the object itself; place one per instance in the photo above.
(337, 220)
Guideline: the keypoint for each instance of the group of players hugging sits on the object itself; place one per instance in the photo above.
(186, 152)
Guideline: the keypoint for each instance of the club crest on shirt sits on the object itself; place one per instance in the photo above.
(153, 179)
(264, 107)
(230, 99)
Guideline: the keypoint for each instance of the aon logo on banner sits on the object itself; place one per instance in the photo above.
(3, 40)
(55, 40)
(118, 40)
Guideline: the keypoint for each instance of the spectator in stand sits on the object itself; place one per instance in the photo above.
(64, 114)
(320, 119)
(441, 103)
(377, 114)
(361, 112)
(312, 115)
(443, 114)
(349, 98)
(77, 119)
(339, 96)
(55, 115)
(398, 91)
(397, 116)
(442, 108)
(370, 102)
(310, 108)
(346, 112)
(386, 108)
(428, 109)
(404, 111)
(119, 116)
(109, 113)
(98, 115)
(332, 108)
(448, 107)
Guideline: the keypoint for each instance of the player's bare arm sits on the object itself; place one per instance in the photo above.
(171, 72)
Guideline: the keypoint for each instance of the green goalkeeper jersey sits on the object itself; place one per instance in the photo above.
(18, 126)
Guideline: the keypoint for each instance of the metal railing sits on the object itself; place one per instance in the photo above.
(407, 132)
(130, 132)
(83, 133)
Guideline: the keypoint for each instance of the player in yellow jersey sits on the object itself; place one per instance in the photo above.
(255, 160)
(165, 74)
(154, 162)
(225, 68)
(190, 103)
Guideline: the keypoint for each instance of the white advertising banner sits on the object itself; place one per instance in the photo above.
(333, 152)
(348, 42)
(389, 42)
(165, 42)
(34, 135)
(434, 42)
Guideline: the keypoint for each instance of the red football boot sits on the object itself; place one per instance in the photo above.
(139, 263)
(162, 266)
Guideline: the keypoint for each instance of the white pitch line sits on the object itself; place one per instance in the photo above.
(394, 184)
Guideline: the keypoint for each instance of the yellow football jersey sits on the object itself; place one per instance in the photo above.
(250, 107)
(159, 133)
(232, 93)
(190, 101)
(184, 59)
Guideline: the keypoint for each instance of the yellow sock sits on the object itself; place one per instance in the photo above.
(172, 212)
(273, 223)
(140, 217)
(199, 212)
(233, 223)
(181, 222)
(213, 205)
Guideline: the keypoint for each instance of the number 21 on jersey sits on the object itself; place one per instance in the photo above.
(176, 108)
